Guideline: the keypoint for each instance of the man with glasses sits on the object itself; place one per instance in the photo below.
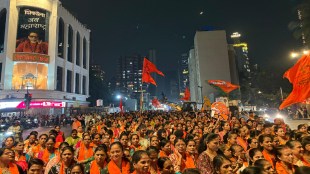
(32, 44)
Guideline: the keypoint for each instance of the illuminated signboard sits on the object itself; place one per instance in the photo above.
(41, 104)
(31, 57)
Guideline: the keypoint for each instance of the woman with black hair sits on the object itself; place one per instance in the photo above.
(265, 142)
(66, 162)
(123, 138)
(165, 148)
(98, 165)
(6, 161)
(254, 155)
(204, 161)
(165, 165)
(118, 163)
(35, 166)
(50, 151)
(284, 158)
(222, 165)
(141, 162)
(152, 151)
(224, 129)
(264, 165)
(96, 140)
(181, 160)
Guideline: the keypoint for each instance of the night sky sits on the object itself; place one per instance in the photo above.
(125, 27)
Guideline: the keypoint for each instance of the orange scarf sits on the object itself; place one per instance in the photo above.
(305, 162)
(36, 150)
(188, 162)
(85, 153)
(242, 143)
(113, 168)
(269, 158)
(280, 168)
(162, 154)
(12, 168)
(46, 155)
(94, 168)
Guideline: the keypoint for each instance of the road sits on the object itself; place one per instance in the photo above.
(45, 130)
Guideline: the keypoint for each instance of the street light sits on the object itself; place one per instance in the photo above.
(297, 54)
(118, 96)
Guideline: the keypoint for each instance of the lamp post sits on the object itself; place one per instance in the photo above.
(201, 94)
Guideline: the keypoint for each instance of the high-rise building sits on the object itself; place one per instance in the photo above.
(98, 72)
(183, 73)
(129, 74)
(208, 60)
(43, 50)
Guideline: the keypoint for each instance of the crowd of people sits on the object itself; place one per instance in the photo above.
(161, 142)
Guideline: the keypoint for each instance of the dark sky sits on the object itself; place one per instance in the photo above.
(124, 27)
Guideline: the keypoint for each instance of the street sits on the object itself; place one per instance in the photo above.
(44, 130)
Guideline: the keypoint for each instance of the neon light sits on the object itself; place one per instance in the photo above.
(39, 104)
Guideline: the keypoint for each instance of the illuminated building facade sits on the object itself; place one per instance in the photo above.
(43, 49)
(183, 73)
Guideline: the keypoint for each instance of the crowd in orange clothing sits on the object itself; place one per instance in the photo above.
(161, 142)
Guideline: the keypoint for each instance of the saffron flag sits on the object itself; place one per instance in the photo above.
(148, 68)
(187, 95)
(220, 109)
(299, 76)
(225, 86)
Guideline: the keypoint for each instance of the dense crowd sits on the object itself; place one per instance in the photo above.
(161, 142)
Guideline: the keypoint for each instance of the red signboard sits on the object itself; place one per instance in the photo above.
(31, 57)
(41, 104)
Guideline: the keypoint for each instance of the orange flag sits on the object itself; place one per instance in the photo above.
(299, 76)
(187, 95)
(148, 68)
(227, 87)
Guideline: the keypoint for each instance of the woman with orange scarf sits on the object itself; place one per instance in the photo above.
(118, 164)
(181, 160)
(135, 145)
(141, 162)
(34, 151)
(242, 137)
(285, 159)
(49, 152)
(279, 131)
(96, 137)
(6, 158)
(85, 151)
(97, 166)
(65, 163)
(20, 157)
(165, 148)
(265, 141)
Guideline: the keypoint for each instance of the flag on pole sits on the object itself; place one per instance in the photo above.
(148, 68)
(187, 95)
(225, 86)
(121, 105)
(299, 76)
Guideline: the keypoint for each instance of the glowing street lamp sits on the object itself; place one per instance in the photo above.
(118, 96)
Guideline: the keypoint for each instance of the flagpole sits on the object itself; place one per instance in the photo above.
(141, 99)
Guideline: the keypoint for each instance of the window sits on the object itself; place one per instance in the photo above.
(77, 83)
(78, 45)
(69, 81)
(61, 38)
(84, 53)
(59, 78)
(2, 29)
(70, 43)
(84, 85)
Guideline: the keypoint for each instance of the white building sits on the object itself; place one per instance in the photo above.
(209, 60)
(45, 49)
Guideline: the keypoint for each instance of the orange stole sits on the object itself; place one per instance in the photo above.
(280, 169)
(85, 153)
(188, 162)
(113, 168)
(242, 143)
(94, 168)
(12, 168)
(305, 162)
(162, 154)
(36, 150)
(46, 155)
(269, 158)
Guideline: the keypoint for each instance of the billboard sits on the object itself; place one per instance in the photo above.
(32, 31)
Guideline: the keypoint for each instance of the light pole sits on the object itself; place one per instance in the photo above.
(201, 94)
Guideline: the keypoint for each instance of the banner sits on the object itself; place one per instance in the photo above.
(225, 86)
(32, 31)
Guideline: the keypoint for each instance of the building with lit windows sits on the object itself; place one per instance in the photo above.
(183, 73)
(43, 49)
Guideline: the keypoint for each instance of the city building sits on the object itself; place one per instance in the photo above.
(209, 60)
(98, 72)
(183, 74)
(45, 51)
